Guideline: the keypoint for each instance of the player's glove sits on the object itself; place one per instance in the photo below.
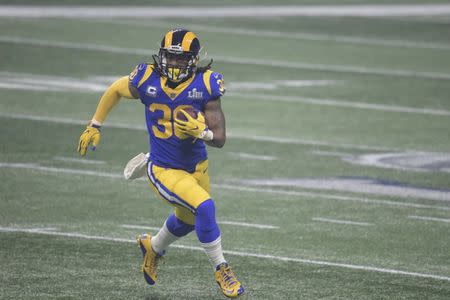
(195, 127)
(90, 135)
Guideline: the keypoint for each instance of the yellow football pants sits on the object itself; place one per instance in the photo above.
(183, 190)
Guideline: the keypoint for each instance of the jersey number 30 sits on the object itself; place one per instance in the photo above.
(167, 121)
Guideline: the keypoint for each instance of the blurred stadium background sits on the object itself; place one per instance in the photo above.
(334, 182)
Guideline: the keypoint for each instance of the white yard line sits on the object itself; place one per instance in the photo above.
(344, 39)
(252, 156)
(252, 225)
(333, 68)
(68, 121)
(430, 219)
(335, 197)
(231, 134)
(79, 46)
(51, 83)
(277, 84)
(362, 10)
(331, 153)
(41, 82)
(10, 80)
(237, 253)
(36, 167)
(342, 103)
(20, 86)
(344, 222)
(79, 160)
(296, 141)
(128, 226)
(259, 226)
(236, 60)
(244, 136)
(352, 185)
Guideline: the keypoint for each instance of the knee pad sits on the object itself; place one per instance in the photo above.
(205, 222)
(178, 227)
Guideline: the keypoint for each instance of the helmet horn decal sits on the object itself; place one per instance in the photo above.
(178, 55)
(168, 39)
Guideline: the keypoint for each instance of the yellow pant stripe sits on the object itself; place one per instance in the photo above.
(166, 193)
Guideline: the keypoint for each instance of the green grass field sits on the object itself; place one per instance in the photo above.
(334, 182)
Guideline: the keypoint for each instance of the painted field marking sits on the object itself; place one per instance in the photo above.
(343, 103)
(344, 222)
(236, 253)
(60, 83)
(128, 226)
(429, 219)
(331, 153)
(441, 20)
(77, 46)
(333, 68)
(252, 225)
(244, 136)
(329, 197)
(67, 121)
(417, 162)
(37, 167)
(79, 160)
(344, 39)
(18, 86)
(96, 84)
(252, 156)
(352, 185)
(296, 141)
(277, 84)
(362, 10)
(32, 166)
(236, 60)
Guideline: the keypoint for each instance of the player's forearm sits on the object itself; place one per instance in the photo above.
(219, 138)
(110, 99)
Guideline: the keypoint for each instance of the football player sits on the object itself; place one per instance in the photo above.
(183, 112)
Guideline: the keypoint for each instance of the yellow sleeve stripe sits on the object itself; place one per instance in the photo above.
(147, 74)
(206, 77)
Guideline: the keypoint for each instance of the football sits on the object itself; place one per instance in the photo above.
(191, 111)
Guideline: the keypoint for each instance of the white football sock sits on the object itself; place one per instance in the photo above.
(163, 239)
(214, 252)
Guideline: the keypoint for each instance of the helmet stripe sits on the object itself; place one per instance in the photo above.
(187, 41)
(168, 39)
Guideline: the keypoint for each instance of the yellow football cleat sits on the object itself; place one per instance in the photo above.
(228, 282)
(151, 258)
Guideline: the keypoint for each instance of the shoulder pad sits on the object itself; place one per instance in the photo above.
(137, 74)
(214, 83)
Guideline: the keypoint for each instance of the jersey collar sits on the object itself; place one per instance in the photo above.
(173, 93)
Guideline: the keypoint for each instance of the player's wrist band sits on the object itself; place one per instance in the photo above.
(95, 124)
(207, 135)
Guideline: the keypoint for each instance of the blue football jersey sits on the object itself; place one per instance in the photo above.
(170, 148)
